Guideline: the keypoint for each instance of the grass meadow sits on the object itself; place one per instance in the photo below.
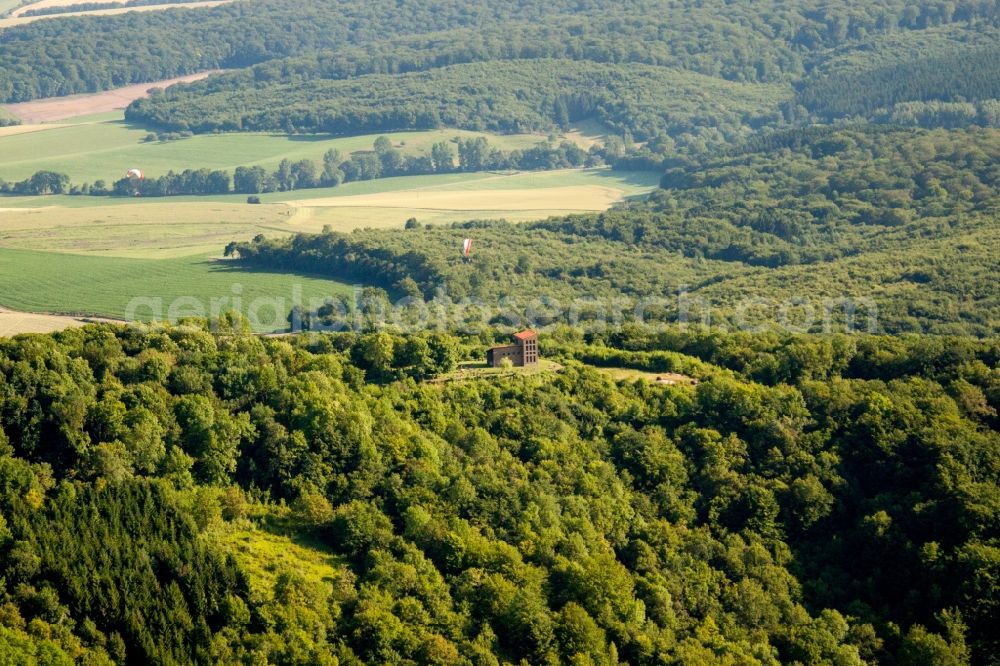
(34, 281)
(104, 147)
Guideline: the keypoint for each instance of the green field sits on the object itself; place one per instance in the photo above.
(169, 248)
(104, 147)
(108, 286)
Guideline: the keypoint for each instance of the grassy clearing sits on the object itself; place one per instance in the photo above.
(169, 288)
(264, 555)
(586, 133)
(469, 370)
(89, 151)
(630, 375)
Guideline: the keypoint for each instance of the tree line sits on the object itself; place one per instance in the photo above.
(39, 183)
(385, 160)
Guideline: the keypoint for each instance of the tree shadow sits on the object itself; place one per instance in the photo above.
(632, 178)
(225, 265)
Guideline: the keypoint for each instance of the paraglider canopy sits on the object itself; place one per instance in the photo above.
(466, 247)
(134, 177)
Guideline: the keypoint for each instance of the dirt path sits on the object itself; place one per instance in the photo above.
(46, 4)
(61, 108)
(24, 20)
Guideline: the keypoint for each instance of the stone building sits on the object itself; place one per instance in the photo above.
(523, 352)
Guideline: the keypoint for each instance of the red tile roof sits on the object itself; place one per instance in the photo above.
(526, 334)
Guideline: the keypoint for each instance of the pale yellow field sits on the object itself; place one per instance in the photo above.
(151, 230)
(630, 375)
(162, 228)
(572, 198)
(165, 230)
(15, 323)
(23, 20)
(26, 129)
(60, 108)
(346, 218)
(587, 133)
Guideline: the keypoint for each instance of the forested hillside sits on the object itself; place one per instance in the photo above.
(963, 76)
(643, 79)
(508, 96)
(820, 500)
(416, 60)
(763, 41)
(902, 219)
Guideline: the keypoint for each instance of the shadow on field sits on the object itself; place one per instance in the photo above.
(309, 138)
(217, 265)
(633, 178)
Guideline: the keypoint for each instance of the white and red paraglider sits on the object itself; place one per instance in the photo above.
(134, 178)
(467, 248)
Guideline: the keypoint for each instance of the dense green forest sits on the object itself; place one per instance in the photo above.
(509, 96)
(962, 75)
(907, 70)
(902, 219)
(702, 74)
(814, 500)
(282, 94)
(760, 41)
